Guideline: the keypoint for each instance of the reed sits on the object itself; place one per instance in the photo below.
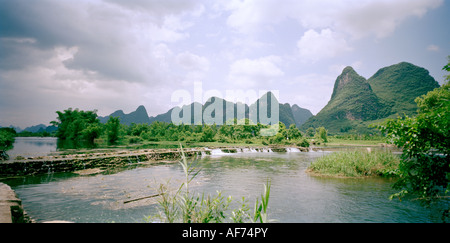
(181, 205)
(356, 164)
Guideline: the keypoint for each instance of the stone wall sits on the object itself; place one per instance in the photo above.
(11, 210)
(70, 163)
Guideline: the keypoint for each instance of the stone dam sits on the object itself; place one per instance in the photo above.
(104, 160)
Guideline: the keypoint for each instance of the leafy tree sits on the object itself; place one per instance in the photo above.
(138, 129)
(91, 132)
(425, 167)
(293, 132)
(112, 129)
(7, 138)
(207, 134)
(77, 125)
(310, 132)
(321, 133)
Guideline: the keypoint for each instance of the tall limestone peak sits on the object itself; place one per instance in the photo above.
(140, 115)
(398, 85)
(349, 77)
(352, 100)
(141, 110)
(301, 115)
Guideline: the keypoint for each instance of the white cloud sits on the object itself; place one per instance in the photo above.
(355, 17)
(250, 16)
(250, 73)
(380, 18)
(433, 48)
(190, 61)
(314, 46)
(113, 54)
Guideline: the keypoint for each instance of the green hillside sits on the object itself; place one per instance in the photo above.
(301, 115)
(356, 102)
(398, 85)
(351, 103)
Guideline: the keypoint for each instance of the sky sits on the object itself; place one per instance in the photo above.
(115, 54)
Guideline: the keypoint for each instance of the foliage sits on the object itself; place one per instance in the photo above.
(310, 132)
(112, 129)
(425, 139)
(7, 138)
(91, 132)
(80, 125)
(207, 134)
(321, 133)
(356, 164)
(293, 132)
(260, 212)
(182, 205)
(77, 125)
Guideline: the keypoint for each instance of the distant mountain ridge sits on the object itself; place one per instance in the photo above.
(287, 114)
(140, 115)
(356, 102)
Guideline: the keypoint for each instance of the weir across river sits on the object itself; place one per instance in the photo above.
(76, 162)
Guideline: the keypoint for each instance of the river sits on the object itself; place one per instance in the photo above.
(295, 195)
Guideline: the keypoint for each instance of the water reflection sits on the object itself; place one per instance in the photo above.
(32, 146)
(75, 144)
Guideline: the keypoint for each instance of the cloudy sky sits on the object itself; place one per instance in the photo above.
(116, 54)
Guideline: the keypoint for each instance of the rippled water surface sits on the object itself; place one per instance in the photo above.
(295, 195)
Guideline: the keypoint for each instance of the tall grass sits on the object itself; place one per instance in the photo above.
(181, 205)
(356, 164)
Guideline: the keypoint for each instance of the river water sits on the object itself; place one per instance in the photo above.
(295, 195)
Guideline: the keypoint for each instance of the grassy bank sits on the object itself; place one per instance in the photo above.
(354, 142)
(356, 164)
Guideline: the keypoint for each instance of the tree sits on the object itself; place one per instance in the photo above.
(310, 132)
(321, 133)
(91, 132)
(293, 132)
(7, 138)
(77, 125)
(112, 129)
(424, 170)
(207, 134)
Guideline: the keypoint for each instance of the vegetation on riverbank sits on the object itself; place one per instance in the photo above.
(425, 139)
(7, 138)
(356, 164)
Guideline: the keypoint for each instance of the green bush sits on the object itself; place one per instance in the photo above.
(303, 143)
(134, 139)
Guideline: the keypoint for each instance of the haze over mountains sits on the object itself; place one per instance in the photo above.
(355, 103)
(287, 114)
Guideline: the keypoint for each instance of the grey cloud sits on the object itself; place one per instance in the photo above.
(111, 39)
